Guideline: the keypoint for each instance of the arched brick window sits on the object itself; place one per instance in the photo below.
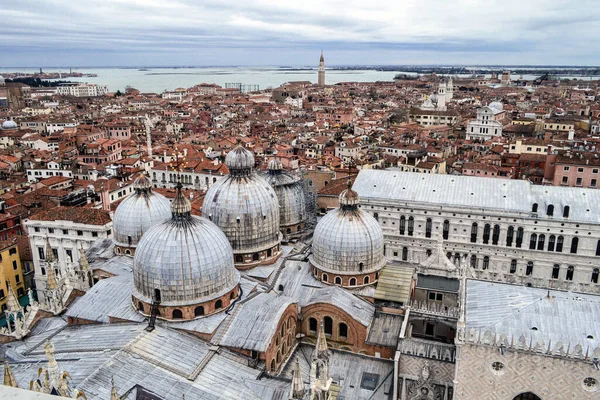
(328, 325)
(177, 314)
(342, 331)
(198, 311)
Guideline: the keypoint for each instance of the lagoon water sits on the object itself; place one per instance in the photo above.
(158, 80)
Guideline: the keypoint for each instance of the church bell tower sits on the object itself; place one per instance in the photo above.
(321, 81)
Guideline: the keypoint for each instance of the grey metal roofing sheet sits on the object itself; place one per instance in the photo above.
(470, 192)
(298, 283)
(514, 310)
(255, 323)
(385, 329)
(440, 283)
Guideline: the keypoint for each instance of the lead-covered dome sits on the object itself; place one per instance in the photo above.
(187, 263)
(348, 242)
(136, 214)
(9, 124)
(246, 209)
(292, 200)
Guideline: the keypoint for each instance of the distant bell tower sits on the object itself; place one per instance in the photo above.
(321, 71)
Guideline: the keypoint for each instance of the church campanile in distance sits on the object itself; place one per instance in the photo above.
(321, 71)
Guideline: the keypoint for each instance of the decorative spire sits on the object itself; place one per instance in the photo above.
(9, 377)
(322, 59)
(52, 364)
(51, 277)
(297, 382)
(12, 302)
(113, 390)
(322, 351)
(49, 253)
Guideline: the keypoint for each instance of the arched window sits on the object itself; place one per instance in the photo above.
(598, 248)
(352, 281)
(255, 257)
(361, 266)
(555, 271)
(486, 233)
(312, 325)
(534, 207)
(376, 216)
(43, 271)
(486, 262)
(474, 232)
(474, 261)
(270, 252)
(428, 226)
(218, 304)
(273, 365)
(529, 269)
(570, 273)
(156, 295)
(559, 244)
(239, 259)
(411, 226)
(324, 278)
(519, 240)
(328, 325)
(540, 244)
(574, 244)
(513, 266)
(338, 280)
(140, 306)
(428, 252)
(128, 252)
(342, 331)
(402, 224)
(366, 280)
(510, 233)
(177, 314)
(199, 311)
(566, 211)
(550, 210)
(496, 234)
(232, 294)
(405, 254)
(532, 241)
(446, 229)
(595, 274)
(551, 242)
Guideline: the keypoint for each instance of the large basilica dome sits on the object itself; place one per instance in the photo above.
(246, 209)
(347, 245)
(136, 214)
(292, 200)
(187, 264)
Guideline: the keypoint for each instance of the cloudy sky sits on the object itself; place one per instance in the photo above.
(279, 32)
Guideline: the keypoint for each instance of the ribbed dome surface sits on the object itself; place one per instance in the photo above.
(290, 194)
(247, 211)
(188, 259)
(346, 237)
(139, 212)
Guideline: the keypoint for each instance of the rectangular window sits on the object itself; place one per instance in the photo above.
(15, 265)
(579, 182)
(18, 278)
(565, 168)
(95, 234)
(65, 231)
(69, 255)
(579, 169)
(36, 228)
(429, 329)
(565, 180)
(593, 183)
(50, 230)
(595, 171)
(79, 233)
(12, 251)
(41, 253)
